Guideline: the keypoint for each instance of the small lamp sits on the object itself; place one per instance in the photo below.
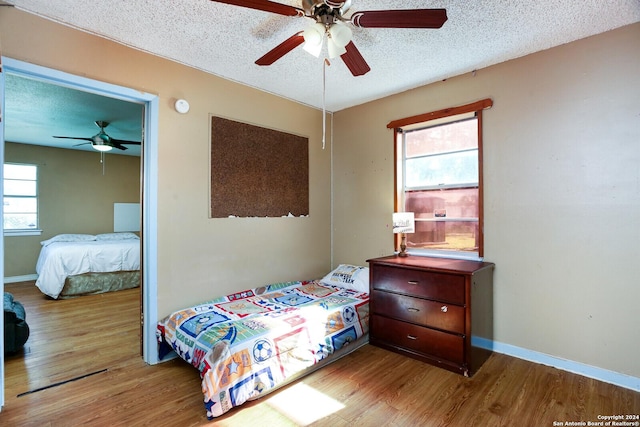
(403, 222)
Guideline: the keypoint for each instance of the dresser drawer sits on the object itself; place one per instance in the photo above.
(416, 310)
(427, 284)
(418, 338)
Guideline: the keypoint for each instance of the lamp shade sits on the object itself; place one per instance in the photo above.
(313, 37)
(334, 49)
(403, 222)
(340, 34)
(339, 37)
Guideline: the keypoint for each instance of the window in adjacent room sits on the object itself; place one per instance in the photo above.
(20, 199)
(439, 179)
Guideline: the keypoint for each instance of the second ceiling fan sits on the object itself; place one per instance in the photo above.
(331, 23)
(102, 141)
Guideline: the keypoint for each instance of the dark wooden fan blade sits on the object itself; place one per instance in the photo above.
(408, 18)
(281, 50)
(354, 60)
(265, 5)
(116, 145)
(73, 137)
(122, 141)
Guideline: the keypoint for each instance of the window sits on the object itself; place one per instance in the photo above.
(439, 179)
(20, 199)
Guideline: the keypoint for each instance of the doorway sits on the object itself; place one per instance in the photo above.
(149, 166)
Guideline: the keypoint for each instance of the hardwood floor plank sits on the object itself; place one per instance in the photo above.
(370, 387)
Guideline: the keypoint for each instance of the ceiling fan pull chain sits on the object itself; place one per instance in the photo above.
(324, 89)
(324, 109)
(102, 161)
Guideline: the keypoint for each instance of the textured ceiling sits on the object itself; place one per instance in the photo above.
(226, 40)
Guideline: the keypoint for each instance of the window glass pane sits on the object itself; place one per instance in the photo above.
(20, 221)
(444, 138)
(20, 213)
(20, 204)
(459, 168)
(19, 188)
(441, 176)
(445, 219)
(28, 172)
(451, 236)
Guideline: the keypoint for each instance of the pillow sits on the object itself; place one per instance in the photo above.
(350, 277)
(69, 238)
(116, 236)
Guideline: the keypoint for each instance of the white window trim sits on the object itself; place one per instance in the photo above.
(24, 232)
(16, 232)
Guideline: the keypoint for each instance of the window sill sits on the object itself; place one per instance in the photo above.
(447, 219)
(468, 256)
(17, 233)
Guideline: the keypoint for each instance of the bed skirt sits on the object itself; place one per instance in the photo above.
(97, 283)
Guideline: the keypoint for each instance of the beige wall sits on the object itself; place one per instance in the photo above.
(562, 193)
(74, 197)
(561, 183)
(198, 257)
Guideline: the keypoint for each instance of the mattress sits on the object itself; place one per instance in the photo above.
(61, 259)
(251, 342)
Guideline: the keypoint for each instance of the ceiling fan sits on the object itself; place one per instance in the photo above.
(101, 141)
(330, 22)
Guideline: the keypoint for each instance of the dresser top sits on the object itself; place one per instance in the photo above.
(432, 263)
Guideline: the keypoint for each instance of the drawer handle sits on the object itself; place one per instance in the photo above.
(411, 337)
(412, 282)
(444, 309)
(414, 310)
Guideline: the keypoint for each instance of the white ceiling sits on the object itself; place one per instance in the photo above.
(226, 40)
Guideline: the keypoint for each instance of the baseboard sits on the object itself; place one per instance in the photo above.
(16, 279)
(605, 375)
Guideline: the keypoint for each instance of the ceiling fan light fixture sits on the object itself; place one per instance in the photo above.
(100, 142)
(335, 49)
(102, 147)
(313, 37)
(340, 34)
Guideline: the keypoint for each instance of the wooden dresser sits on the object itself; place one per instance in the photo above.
(429, 308)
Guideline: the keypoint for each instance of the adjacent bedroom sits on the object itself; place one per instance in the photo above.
(72, 176)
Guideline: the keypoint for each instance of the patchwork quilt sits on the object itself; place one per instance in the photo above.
(248, 343)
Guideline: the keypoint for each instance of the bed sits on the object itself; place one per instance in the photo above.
(83, 264)
(250, 343)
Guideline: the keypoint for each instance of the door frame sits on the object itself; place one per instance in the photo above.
(149, 188)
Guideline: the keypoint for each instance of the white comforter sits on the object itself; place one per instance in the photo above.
(59, 260)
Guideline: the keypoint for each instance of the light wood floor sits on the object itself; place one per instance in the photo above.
(98, 337)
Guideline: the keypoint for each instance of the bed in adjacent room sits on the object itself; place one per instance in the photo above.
(83, 264)
(250, 343)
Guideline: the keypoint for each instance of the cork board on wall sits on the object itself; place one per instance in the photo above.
(257, 172)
